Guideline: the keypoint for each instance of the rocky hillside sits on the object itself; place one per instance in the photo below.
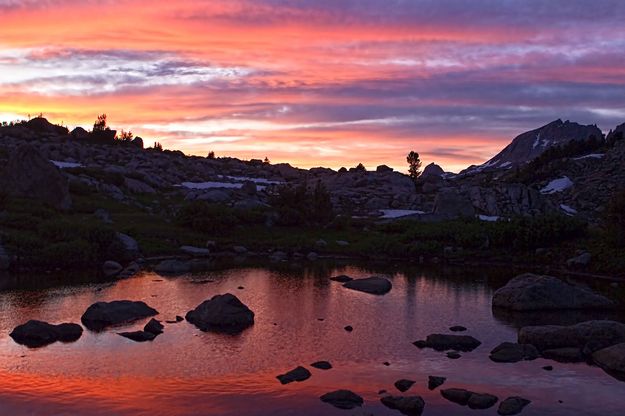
(529, 145)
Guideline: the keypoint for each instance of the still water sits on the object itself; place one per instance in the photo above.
(300, 316)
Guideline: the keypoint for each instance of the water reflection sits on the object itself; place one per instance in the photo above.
(188, 372)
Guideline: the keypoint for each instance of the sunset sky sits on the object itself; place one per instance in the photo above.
(324, 82)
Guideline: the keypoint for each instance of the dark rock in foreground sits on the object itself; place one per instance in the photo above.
(510, 352)
(297, 374)
(612, 360)
(444, 342)
(35, 334)
(403, 384)
(468, 398)
(512, 406)
(529, 292)
(139, 336)
(589, 334)
(103, 314)
(341, 279)
(434, 382)
(322, 365)
(374, 285)
(342, 399)
(409, 405)
(222, 313)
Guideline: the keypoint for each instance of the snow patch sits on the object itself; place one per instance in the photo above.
(398, 213)
(489, 218)
(557, 185)
(211, 185)
(255, 180)
(568, 210)
(591, 156)
(66, 165)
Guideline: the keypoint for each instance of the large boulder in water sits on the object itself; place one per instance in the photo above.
(103, 314)
(374, 285)
(612, 360)
(510, 352)
(221, 313)
(30, 175)
(37, 333)
(589, 336)
(529, 292)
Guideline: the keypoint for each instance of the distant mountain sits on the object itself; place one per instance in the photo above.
(529, 145)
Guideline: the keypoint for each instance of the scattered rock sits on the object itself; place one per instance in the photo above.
(612, 360)
(548, 368)
(577, 336)
(322, 365)
(342, 278)
(434, 382)
(453, 355)
(341, 243)
(35, 334)
(457, 328)
(298, 374)
(374, 285)
(532, 292)
(512, 406)
(482, 401)
(581, 261)
(138, 336)
(173, 266)
(404, 384)
(111, 268)
(239, 250)
(342, 399)
(459, 396)
(349, 328)
(222, 313)
(510, 352)
(154, 327)
(444, 342)
(103, 314)
(410, 405)
(131, 247)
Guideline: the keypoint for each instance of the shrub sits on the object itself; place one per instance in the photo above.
(301, 205)
(205, 217)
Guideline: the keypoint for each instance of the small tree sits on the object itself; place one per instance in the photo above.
(158, 147)
(100, 123)
(211, 155)
(126, 136)
(266, 161)
(414, 165)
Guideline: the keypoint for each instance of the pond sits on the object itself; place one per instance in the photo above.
(300, 319)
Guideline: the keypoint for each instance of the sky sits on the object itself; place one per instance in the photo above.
(317, 83)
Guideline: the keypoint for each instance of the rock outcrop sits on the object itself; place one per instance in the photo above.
(590, 335)
(530, 292)
(29, 175)
(221, 313)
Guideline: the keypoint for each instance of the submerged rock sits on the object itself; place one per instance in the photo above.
(409, 405)
(444, 342)
(222, 313)
(322, 365)
(604, 333)
(564, 355)
(434, 382)
(529, 292)
(103, 314)
(459, 396)
(612, 360)
(403, 384)
(468, 398)
(173, 266)
(374, 285)
(342, 399)
(298, 374)
(35, 334)
(512, 406)
(510, 352)
(457, 328)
